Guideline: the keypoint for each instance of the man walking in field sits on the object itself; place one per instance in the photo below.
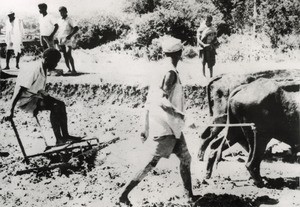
(66, 31)
(30, 94)
(207, 41)
(48, 27)
(165, 121)
(13, 38)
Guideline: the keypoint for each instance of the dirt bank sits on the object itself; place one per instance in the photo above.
(103, 93)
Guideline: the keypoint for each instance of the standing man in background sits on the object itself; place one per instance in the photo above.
(13, 38)
(65, 41)
(207, 41)
(48, 27)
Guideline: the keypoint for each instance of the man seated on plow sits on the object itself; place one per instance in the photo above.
(29, 92)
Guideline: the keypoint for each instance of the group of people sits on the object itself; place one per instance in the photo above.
(54, 33)
(165, 111)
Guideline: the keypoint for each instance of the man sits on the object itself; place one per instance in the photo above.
(13, 38)
(164, 122)
(65, 41)
(29, 92)
(48, 27)
(207, 41)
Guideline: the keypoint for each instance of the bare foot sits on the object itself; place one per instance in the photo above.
(125, 200)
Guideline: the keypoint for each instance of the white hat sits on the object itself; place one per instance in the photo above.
(170, 44)
(10, 13)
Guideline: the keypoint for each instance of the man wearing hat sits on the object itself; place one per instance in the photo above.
(13, 38)
(30, 93)
(48, 27)
(66, 31)
(164, 121)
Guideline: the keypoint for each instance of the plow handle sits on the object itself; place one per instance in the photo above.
(19, 140)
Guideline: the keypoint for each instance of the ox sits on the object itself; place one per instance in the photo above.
(218, 91)
(275, 111)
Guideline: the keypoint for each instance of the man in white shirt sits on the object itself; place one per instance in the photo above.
(164, 123)
(13, 38)
(48, 27)
(66, 31)
(30, 94)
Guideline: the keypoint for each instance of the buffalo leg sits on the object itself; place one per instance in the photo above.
(206, 138)
(256, 152)
(215, 150)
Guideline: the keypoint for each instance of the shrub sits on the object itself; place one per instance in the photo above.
(280, 18)
(141, 6)
(100, 30)
(240, 48)
(176, 18)
(154, 51)
(190, 52)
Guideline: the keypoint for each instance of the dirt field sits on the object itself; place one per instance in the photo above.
(108, 104)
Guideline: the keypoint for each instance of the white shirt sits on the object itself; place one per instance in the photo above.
(14, 34)
(159, 122)
(34, 79)
(65, 27)
(47, 24)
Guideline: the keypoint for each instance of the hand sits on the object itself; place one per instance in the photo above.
(51, 37)
(206, 45)
(68, 37)
(143, 137)
(43, 93)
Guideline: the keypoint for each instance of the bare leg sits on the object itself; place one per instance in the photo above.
(71, 60)
(58, 118)
(184, 156)
(8, 56)
(211, 71)
(149, 165)
(18, 60)
(203, 69)
(63, 49)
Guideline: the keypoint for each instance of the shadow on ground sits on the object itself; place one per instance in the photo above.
(226, 200)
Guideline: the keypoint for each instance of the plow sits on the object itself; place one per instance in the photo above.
(66, 157)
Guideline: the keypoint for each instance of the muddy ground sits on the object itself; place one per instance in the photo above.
(109, 111)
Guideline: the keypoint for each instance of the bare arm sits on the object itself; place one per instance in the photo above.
(74, 30)
(54, 31)
(15, 100)
(169, 82)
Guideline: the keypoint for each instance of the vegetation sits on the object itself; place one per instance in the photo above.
(138, 29)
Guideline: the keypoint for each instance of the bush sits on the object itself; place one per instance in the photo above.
(190, 52)
(179, 19)
(280, 18)
(154, 51)
(141, 6)
(238, 48)
(100, 30)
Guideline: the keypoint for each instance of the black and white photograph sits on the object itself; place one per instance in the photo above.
(150, 103)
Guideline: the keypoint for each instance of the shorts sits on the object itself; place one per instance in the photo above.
(208, 56)
(62, 41)
(31, 104)
(46, 42)
(164, 146)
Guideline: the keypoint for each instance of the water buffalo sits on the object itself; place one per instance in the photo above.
(218, 91)
(273, 108)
